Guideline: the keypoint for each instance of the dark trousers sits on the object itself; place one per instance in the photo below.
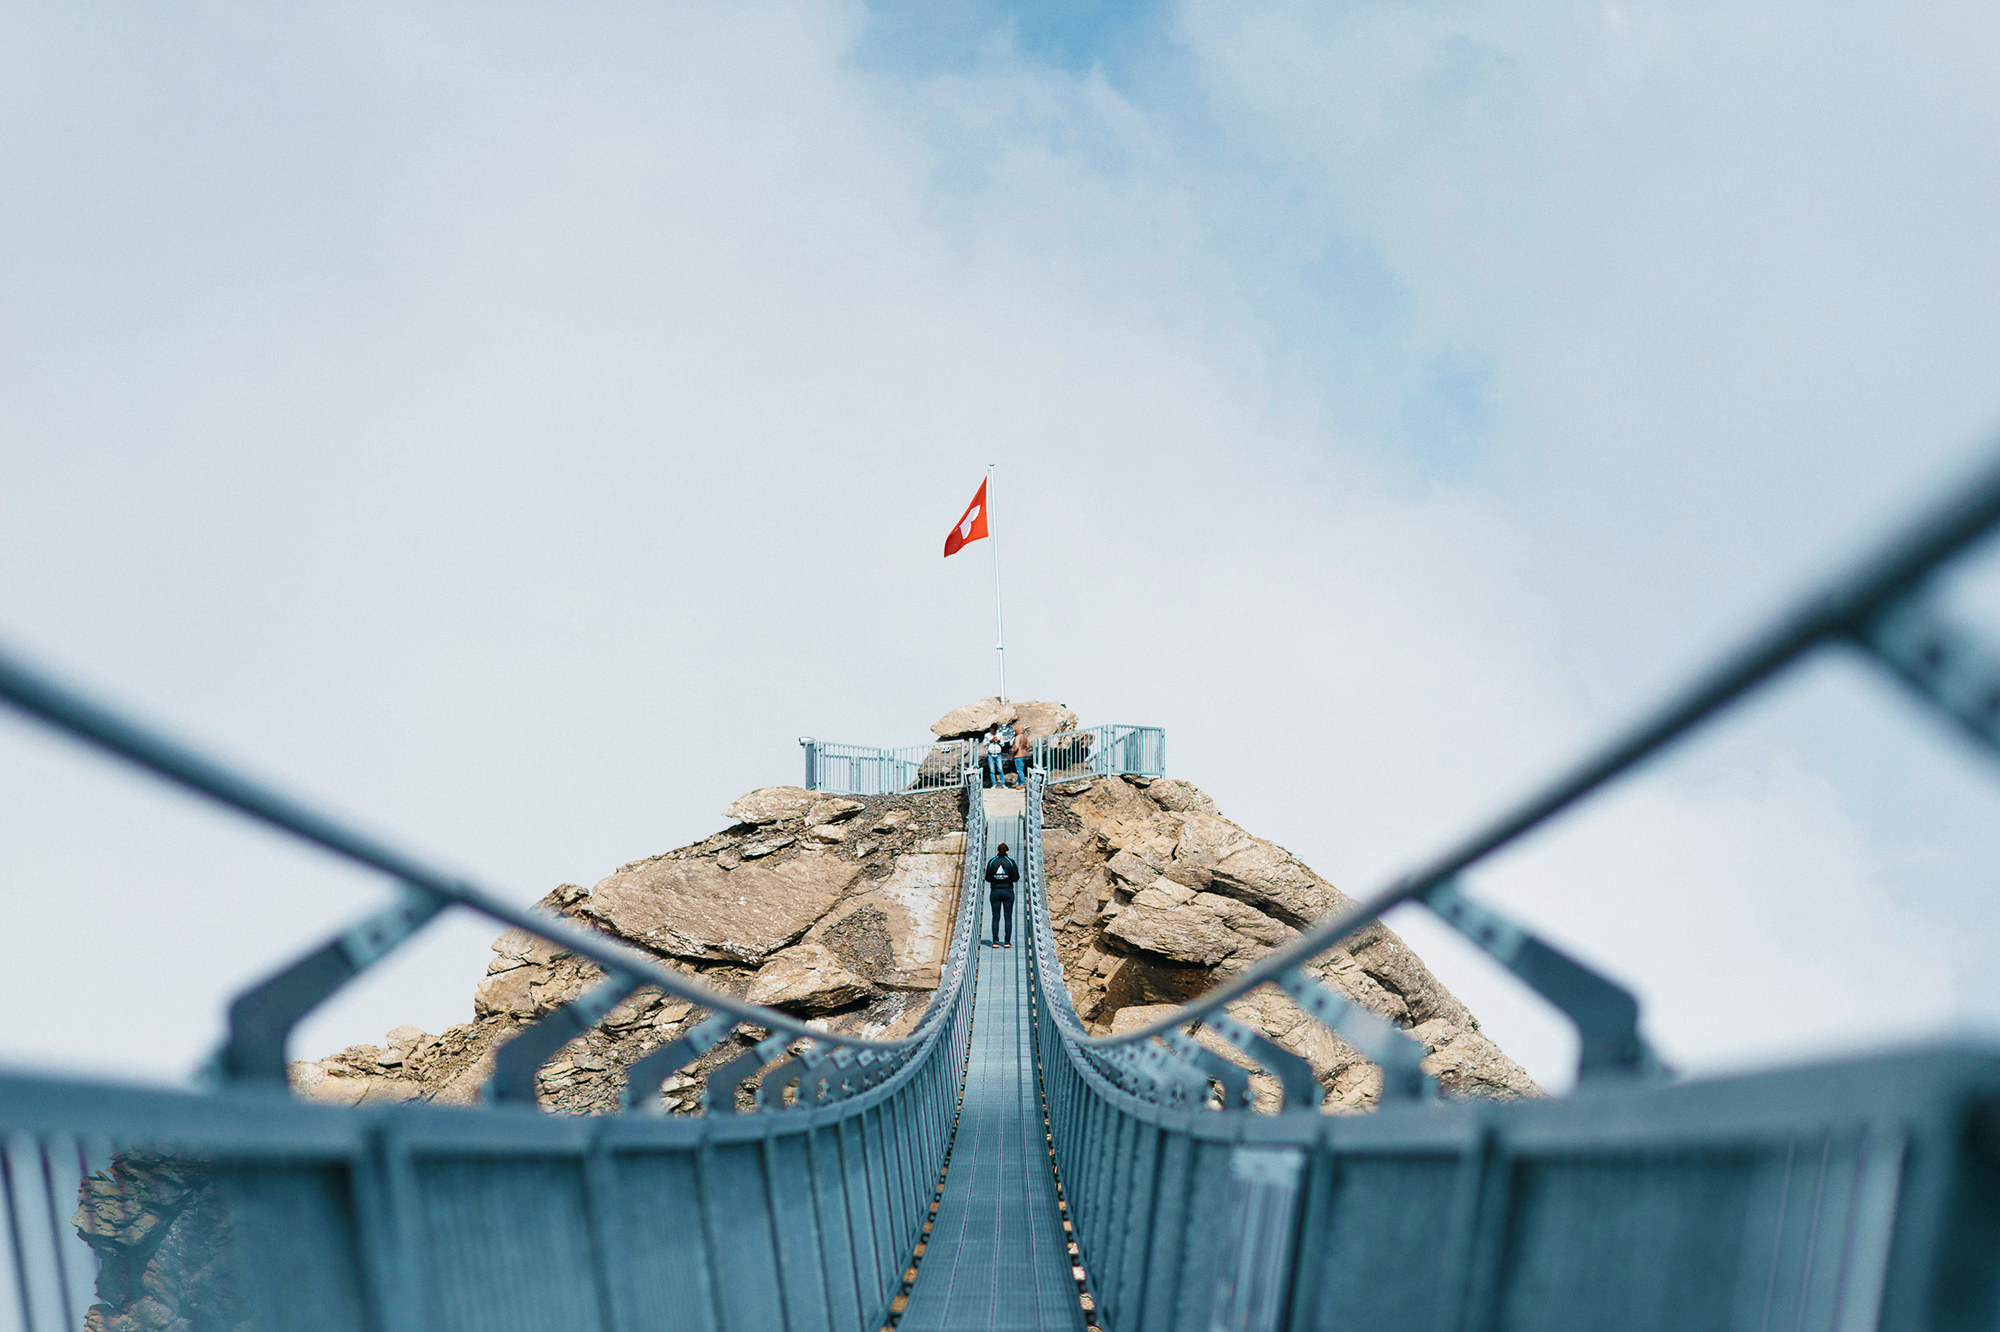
(1002, 905)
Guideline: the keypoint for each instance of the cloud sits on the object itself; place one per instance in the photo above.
(517, 428)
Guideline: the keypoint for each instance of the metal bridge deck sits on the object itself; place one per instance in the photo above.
(997, 1260)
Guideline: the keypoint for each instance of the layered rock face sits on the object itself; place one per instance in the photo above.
(159, 1236)
(837, 910)
(1156, 897)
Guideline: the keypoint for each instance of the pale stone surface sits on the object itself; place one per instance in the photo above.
(919, 894)
(769, 804)
(692, 908)
(1040, 719)
(518, 948)
(757, 850)
(1194, 937)
(829, 832)
(509, 992)
(807, 979)
(316, 1083)
(1466, 1063)
(1272, 880)
(1139, 1015)
(832, 810)
(1201, 929)
(972, 719)
(1036, 718)
(1180, 797)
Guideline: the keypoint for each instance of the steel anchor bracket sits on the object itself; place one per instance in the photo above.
(1393, 1050)
(520, 1058)
(644, 1079)
(1605, 1013)
(1942, 662)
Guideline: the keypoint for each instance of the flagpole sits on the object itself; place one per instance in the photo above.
(999, 620)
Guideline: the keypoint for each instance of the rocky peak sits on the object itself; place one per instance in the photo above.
(1157, 897)
(839, 909)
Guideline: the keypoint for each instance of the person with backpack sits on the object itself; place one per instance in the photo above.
(1001, 876)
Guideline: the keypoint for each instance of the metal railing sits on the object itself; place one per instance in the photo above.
(802, 1214)
(863, 770)
(1838, 1197)
(1103, 751)
(1094, 751)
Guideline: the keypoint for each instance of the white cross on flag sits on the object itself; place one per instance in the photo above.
(971, 527)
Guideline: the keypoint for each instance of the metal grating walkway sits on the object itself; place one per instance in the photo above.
(997, 1260)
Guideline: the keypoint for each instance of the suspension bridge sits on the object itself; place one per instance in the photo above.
(1003, 1168)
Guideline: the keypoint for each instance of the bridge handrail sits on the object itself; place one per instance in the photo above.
(1879, 606)
(262, 1017)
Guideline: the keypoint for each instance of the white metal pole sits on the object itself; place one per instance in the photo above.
(999, 620)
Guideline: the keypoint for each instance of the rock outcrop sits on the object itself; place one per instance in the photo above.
(971, 721)
(848, 931)
(1157, 897)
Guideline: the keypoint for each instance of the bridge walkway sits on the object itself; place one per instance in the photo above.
(997, 1257)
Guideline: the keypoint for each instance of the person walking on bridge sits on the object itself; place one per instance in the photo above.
(1001, 876)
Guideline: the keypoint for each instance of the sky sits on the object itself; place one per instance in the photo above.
(512, 427)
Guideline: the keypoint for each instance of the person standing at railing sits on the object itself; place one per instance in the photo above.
(994, 750)
(1017, 757)
(1001, 876)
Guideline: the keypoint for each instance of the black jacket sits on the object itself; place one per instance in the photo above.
(1001, 874)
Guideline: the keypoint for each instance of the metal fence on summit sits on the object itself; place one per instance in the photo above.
(869, 771)
(1091, 751)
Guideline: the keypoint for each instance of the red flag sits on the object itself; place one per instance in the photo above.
(971, 527)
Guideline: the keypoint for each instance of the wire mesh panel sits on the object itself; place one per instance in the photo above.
(1103, 751)
(297, 1255)
(506, 1245)
(1366, 1216)
(1673, 1228)
(865, 770)
(661, 1285)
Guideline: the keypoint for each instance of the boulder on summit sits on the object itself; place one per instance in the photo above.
(770, 804)
(697, 909)
(1037, 719)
